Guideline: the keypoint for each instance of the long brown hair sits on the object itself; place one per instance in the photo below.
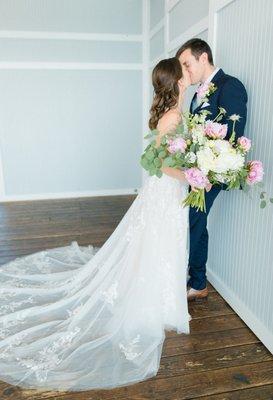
(165, 77)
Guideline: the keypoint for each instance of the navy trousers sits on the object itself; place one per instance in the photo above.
(199, 238)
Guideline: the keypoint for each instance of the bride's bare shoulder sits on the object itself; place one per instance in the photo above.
(168, 121)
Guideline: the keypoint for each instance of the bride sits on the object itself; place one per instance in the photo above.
(77, 318)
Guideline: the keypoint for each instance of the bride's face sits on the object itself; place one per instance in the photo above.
(194, 67)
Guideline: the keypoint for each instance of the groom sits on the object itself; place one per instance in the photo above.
(196, 57)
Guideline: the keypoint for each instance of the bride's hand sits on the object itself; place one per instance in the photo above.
(184, 82)
(208, 187)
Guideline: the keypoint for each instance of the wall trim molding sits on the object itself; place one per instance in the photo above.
(2, 181)
(171, 4)
(145, 76)
(157, 28)
(214, 7)
(166, 28)
(194, 30)
(66, 195)
(47, 35)
(219, 4)
(69, 65)
(156, 60)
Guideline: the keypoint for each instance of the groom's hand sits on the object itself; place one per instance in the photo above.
(208, 187)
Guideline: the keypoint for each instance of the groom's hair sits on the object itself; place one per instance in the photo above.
(197, 47)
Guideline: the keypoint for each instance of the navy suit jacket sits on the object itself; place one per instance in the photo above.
(232, 96)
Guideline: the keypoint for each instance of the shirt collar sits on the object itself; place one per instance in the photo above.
(211, 75)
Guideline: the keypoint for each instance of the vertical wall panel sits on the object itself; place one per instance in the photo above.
(240, 249)
(156, 12)
(157, 45)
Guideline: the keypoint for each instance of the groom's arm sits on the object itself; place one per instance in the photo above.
(233, 98)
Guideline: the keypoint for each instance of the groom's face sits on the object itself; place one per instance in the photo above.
(194, 67)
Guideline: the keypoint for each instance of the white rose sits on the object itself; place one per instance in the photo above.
(222, 146)
(228, 161)
(190, 157)
(205, 160)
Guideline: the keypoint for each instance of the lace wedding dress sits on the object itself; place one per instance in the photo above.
(79, 317)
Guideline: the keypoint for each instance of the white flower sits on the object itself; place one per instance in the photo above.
(221, 178)
(234, 117)
(222, 146)
(228, 161)
(205, 159)
(198, 135)
(190, 157)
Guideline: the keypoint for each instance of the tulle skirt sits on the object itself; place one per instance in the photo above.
(78, 318)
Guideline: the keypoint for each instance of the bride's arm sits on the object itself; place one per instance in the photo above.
(168, 123)
(174, 173)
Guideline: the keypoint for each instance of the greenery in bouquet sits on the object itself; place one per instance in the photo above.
(197, 146)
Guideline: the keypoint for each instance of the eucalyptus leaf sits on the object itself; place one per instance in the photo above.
(144, 163)
(157, 162)
(167, 162)
(162, 154)
(150, 155)
(148, 136)
(263, 204)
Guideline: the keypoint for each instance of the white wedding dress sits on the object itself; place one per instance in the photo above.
(78, 317)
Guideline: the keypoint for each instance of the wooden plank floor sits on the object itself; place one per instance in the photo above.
(221, 359)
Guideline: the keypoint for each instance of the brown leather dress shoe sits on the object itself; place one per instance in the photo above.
(193, 294)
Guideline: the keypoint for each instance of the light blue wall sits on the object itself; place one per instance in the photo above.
(185, 14)
(156, 11)
(157, 45)
(71, 130)
(182, 17)
(103, 16)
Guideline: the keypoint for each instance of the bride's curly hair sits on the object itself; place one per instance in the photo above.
(165, 77)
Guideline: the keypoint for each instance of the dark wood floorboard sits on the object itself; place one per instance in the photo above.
(221, 359)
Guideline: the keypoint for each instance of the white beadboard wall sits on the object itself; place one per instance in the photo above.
(240, 233)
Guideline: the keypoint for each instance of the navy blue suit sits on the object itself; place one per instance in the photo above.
(231, 95)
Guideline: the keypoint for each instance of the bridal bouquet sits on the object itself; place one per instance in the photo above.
(198, 147)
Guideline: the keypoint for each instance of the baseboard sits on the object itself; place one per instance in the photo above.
(258, 328)
(68, 195)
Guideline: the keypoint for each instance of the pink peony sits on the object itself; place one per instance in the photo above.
(177, 144)
(196, 178)
(244, 142)
(255, 173)
(202, 90)
(215, 130)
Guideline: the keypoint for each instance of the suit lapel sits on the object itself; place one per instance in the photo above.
(217, 77)
(192, 100)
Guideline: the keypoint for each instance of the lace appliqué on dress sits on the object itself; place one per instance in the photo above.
(128, 350)
(111, 293)
(47, 358)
